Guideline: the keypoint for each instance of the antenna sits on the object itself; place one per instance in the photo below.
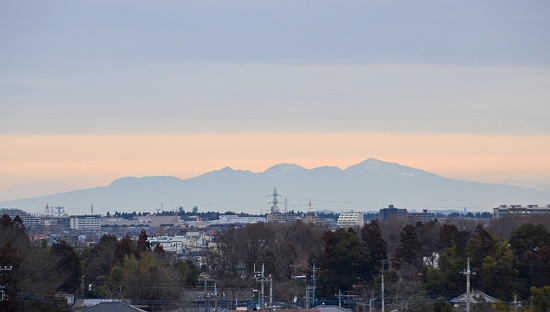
(92, 209)
(286, 205)
(309, 207)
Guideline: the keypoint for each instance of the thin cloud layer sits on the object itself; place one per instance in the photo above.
(250, 97)
(116, 69)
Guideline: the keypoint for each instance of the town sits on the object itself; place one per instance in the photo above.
(391, 259)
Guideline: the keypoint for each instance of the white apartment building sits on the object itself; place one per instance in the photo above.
(235, 219)
(519, 210)
(86, 222)
(351, 219)
(191, 241)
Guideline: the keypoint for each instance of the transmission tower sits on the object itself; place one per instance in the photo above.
(60, 211)
(274, 202)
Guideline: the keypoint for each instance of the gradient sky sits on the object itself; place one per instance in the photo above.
(94, 90)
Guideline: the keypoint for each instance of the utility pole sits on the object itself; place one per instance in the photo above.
(468, 286)
(270, 292)
(383, 265)
(262, 300)
(314, 286)
(467, 272)
(215, 297)
(2, 287)
(83, 285)
(307, 296)
(310, 290)
(205, 279)
(260, 276)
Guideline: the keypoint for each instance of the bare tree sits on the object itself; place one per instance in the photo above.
(256, 239)
(226, 258)
(391, 230)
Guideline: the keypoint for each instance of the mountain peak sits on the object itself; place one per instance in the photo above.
(125, 181)
(285, 168)
(373, 164)
(226, 189)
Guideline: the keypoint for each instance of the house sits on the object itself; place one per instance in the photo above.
(112, 307)
(476, 297)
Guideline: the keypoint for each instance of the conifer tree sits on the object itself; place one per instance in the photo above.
(370, 233)
(408, 249)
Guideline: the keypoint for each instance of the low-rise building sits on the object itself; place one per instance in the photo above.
(235, 219)
(86, 222)
(423, 216)
(392, 212)
(519, 210)
(351, 219)
(27, 218)
(282, 217)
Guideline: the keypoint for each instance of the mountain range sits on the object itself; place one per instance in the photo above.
(369, 185)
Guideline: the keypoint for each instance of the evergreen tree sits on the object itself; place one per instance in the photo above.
(143, 244)
(446, 235)
(497, 275)
(541, 269)
(377, 245)
(69, 262)
(124, 247)
(407, 251)
(346, 262)
(540, 299)
(527, 242)
(98, 260)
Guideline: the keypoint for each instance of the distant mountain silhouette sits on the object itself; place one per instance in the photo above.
(369, 185)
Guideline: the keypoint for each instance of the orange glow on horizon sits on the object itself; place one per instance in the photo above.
(95, 158)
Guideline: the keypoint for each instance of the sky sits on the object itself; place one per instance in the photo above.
(91, 91)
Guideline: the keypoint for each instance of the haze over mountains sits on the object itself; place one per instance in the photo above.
(369, 185)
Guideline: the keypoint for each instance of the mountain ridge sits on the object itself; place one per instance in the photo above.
(370, 184)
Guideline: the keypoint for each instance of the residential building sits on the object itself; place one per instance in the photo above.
(235, 219)
(475, 297)
(282, 217)
(423, 216)
(350, 219)
(519, 210)
(27, 218)
(86, 222)
(392, 212)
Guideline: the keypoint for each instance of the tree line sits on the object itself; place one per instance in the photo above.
(125, 268)
(421, 264)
